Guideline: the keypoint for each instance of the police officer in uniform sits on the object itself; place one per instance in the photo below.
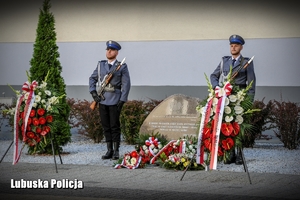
(243, 78)
(116, 94)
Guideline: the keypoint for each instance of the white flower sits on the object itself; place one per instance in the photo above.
(53, 100)
(133, 161)
(34, 105)
(152, 146)
(37, 98)
(232, 98)
(227, 110)
(191, 147)
(145, 147)
(159, 146)
(26, 95)
(147, 151)
(227, 101)
(215, 101)
(239, 119)
(39, 93)
(228, 118)
(49, 108)
(43, 101)
(43, 85)
(48, 92)
(155, 150)
(238, 110)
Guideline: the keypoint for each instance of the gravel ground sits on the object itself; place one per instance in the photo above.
(265, 157)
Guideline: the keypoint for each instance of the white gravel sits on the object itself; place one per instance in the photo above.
(265, 157)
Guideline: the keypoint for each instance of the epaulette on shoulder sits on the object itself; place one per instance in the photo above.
(226, 57)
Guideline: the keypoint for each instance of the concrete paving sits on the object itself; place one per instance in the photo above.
(153, 182)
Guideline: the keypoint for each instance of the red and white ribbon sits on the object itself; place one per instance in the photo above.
(216, 132)
(27, 87)
(162, 150)
(204, 120)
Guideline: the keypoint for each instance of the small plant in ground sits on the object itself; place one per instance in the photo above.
(259, 121)
(86, 120)
(285, 117)
(133, 114)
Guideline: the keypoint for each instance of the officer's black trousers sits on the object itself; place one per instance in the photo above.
(110, 122)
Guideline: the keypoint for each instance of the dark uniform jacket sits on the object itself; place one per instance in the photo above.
(244, 77)
(120, 81)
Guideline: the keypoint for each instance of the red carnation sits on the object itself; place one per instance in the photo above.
(44, 133)
(49, 118)
(29, 121)
(30, 134)
(46, 128)
(41, 111)
(35, 121)
(32, 113)
(226, 128)
(38, 130)
(42, 120)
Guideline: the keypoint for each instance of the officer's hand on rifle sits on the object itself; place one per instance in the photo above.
(95, 96)
(120, 105)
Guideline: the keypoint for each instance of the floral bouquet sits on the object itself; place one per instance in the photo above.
(179, 154)
(226, 111)
(130, 161)
(33, 116)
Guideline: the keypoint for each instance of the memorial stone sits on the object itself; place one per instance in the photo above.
(175, 117)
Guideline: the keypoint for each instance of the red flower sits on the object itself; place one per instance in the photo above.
(41, 111)
(42, 120)
(206, 133)
(35, 121)
(28, 128)
(134, 154)
(38, 130)
(226, 128)
(30, 134)
(49, 118)
(32, 113)
(29, 121)
(207, 144)
(44, 133)
(236, 129)
(227, 143)
(220, 152)
(46, 128)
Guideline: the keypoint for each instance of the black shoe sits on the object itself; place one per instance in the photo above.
(116, 155)
(109, 152)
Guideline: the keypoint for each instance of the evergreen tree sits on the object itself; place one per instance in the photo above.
(45, 61)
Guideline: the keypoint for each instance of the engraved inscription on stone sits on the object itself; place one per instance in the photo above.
(174, 117)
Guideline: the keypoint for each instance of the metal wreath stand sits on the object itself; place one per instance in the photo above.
(239, 148)
(53, 151)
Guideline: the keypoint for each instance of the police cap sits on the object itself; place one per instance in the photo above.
(236, 39)
(110, 44)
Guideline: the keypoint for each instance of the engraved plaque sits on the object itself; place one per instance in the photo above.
(174, 117)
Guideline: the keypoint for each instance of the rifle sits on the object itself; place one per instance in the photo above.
(245, 66)
(107, 78)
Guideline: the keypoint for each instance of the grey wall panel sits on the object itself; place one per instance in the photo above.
(161, 92)
(161, 63)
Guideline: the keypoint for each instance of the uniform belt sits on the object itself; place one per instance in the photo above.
(241, 85)
(117, 87)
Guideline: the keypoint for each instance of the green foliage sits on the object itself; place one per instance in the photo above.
(285, 117)
(132, 116)
(45, 59)
(86, 120)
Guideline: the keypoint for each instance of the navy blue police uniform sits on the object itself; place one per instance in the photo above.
(115, 94)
